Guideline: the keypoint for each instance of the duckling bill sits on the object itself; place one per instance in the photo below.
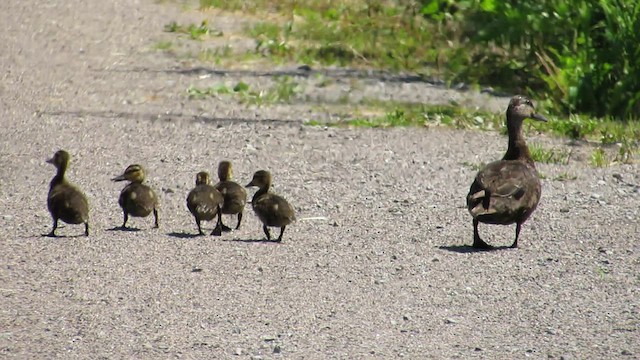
(507, 191)
(136, 199)
(205, 202)
(235, 196)
(272, 210)
(65, 201)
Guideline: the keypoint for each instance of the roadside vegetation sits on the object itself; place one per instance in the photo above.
(578, 60)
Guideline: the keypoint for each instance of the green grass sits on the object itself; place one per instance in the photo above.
(464, 40)
(599, 158)
(549, 156)
(195, 32)
(565, 176)
(163, 45)
(400, 36)
(284, 91)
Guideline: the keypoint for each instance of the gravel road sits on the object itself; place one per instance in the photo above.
(374, 267)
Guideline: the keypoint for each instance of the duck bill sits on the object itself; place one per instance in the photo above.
(119, 178)
(49, 161)
(250, 184)
(539, 117)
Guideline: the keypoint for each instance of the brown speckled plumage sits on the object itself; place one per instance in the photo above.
(507, 191)
(65, 201)
(271, 209)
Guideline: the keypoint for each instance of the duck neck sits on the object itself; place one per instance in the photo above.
(59, 178)
(263, 190)
(517, 149)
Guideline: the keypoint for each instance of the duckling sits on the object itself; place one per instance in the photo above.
(235, 196)
(136, 199)
(65, 201)
(204, 202)
(507, 191)
(271, 209)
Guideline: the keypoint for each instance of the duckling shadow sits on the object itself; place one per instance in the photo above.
(120, 228)
(254, 241)
(465, 249)
(184, 235)
(47, 236)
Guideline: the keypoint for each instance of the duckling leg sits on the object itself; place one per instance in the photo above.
(199, 228)
(477, 242)
(219, 227)
(224, 227)
(155, 215)
(126, 218)
(515, 242)
(281, 232)
(86, 228)
(239, 220)
(53, 231)
(266, 231)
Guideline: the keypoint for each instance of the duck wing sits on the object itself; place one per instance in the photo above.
(504, 192)
(203, 202)
(235, 196)
(68, 203)
(273, 210)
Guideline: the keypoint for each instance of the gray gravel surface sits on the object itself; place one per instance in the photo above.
(373, 268)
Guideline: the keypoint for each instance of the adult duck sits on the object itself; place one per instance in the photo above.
(507, 191)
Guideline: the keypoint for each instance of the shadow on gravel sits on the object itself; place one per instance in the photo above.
(61, 236)
(183, 235)
(463, 249)
(265, 241)
(302, 71)
(167, 117)
(120, 228)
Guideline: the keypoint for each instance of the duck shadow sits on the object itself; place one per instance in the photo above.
(63, 236)
(465, 249)
(184, 235)
(254, 241)
(125, 229)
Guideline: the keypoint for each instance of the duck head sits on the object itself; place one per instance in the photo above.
(520, 108)
(225, 171)
(261, 178)
(60, 159)
(133, 173)
(202, 178)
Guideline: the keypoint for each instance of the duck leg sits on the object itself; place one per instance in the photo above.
(86, 228)
(217, 231)
(126, 218)
(53, 231)
(515, 242)
(199, 227)
(266, 232)
(239, 220)
(477, 242)
(155, 215)
(281, 232)
(223, 226)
